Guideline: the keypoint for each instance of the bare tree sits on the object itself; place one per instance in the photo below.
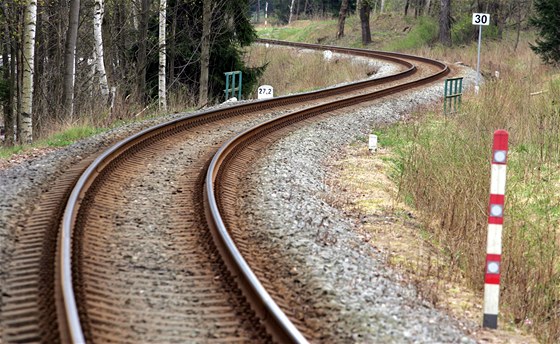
(365, 10)
(70, 58)
(205, 52)
(445, 23)
(142, 51)
(427, 7)
(9, 78)
(342, 18)
(26, 115)
(162, 55)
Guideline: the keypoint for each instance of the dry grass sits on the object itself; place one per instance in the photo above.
(393, 228)
(296, 70)
(444, 171)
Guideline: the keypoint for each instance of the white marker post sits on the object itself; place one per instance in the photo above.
(479, 19)
(372, 144)
(265, 92)
(495, 223)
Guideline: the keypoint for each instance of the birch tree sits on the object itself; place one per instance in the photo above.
(99, 10)
(291, 11)
(70, 58)
(162, 55)
(26, 115)
(135, 14)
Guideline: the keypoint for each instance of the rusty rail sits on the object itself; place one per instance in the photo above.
(277, 323)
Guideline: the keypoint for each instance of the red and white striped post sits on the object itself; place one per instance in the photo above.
(495, 222)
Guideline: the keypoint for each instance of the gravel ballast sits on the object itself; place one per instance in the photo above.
(291, 220)
(375, 305)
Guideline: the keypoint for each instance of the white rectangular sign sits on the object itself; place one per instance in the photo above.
(481, 19)
(265, 92)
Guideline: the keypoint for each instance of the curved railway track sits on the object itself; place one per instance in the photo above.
(203, 286)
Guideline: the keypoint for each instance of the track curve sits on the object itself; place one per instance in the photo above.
(170, 133)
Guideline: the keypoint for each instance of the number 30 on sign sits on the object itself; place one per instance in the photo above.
(481, 19)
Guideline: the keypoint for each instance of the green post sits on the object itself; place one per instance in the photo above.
(233, 88)
(444, 97)
(452, 94)
(227, 86)
(239, 91)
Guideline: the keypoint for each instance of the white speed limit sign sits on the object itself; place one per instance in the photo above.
(481, 19)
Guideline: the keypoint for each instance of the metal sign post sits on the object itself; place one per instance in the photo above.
(231, 87)
(452, 94)
(479, 19)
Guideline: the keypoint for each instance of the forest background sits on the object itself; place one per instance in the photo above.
(100, 61)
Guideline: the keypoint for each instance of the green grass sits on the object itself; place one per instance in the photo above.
(7, 152)
(385, 28)
(61, 139)
(70, 136)
(302, 31)
(423, 33)
(442, 168)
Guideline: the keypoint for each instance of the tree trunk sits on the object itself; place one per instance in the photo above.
(496, 15)
(291, 11)
(99, 10)
(445, 23)
(142, 51)
(382, 9)
(518, 25)
(406, 5)
(26, 114)
(17, 51)
(342, 18)
(205, 52)
(364, 19)
(172, 49)
(9, 79)
(162, 55)
(427, 7)
(135, 15)
(70, 58)
(259, 11)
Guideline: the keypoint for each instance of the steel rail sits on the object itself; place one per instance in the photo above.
(66, 305)
(354, 51)
(276, 321)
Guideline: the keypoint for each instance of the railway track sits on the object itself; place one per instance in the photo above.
(123, 243)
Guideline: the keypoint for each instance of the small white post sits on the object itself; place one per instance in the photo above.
(372, 145)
